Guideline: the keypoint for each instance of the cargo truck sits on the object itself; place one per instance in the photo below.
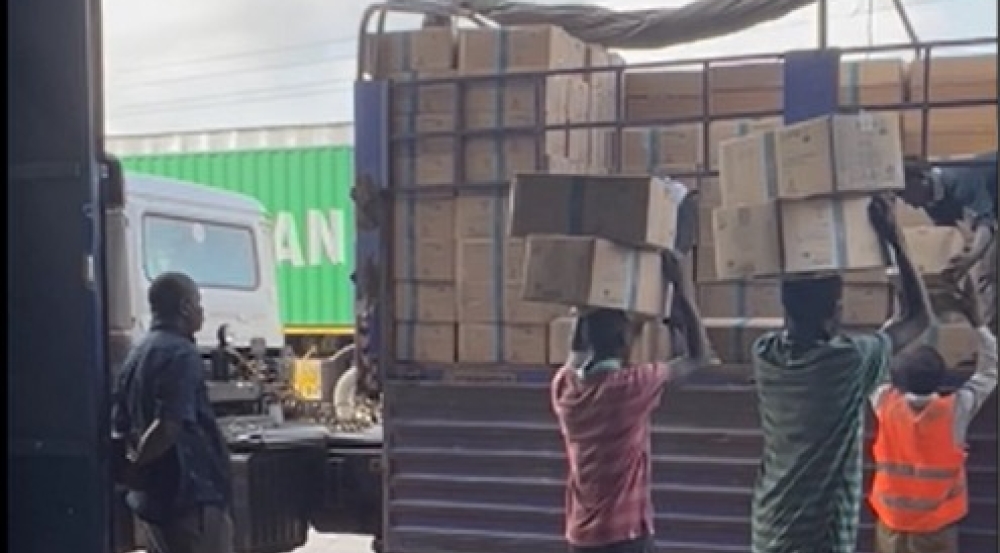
(473, 457)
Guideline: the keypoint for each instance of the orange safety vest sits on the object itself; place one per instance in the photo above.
(919, 483)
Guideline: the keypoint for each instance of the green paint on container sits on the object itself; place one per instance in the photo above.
(307, 193)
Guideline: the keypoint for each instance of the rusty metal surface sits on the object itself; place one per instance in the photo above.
(480, 469)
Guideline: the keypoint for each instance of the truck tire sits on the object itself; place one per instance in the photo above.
(345, 394)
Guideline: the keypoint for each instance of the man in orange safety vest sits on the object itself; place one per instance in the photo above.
(919, 490)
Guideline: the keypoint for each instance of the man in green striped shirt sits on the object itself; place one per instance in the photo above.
(812, 383)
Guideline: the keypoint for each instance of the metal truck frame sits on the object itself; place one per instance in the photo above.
(472, 457)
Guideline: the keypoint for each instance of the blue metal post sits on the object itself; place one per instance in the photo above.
(371, 170)
(812, 84)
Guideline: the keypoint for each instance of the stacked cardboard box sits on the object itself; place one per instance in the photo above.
(959, 130)
(457, 274)
(595, 241)
(795, 200)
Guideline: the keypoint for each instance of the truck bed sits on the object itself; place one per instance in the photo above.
(479, 467)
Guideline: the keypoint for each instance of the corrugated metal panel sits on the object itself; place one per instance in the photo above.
(225, 140)
(307, 191)
(481, 469)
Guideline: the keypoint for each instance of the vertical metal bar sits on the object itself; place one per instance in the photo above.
(822, 23)
(925, 100)
(706, 121)
(619, 123)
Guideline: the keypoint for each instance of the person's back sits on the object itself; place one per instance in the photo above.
(812, 383)
(811, 404)
(604, 405)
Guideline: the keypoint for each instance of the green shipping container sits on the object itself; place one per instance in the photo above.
(307, 192)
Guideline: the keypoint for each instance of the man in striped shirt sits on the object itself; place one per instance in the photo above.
(604, 406)
(812, 383)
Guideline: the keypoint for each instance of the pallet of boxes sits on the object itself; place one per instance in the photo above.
(457, 274)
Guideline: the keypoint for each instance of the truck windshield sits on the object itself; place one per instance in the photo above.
(215, 255)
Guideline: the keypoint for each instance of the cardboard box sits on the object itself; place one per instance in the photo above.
(425, 260)
(431, 302)
(869, 83)
(951, 131)
(520, 101)
(494, 161)
(582, 271)
(745, 88)
(425, 342)
(661, 150)
(732, 338)
(657, 97)
(559, 340)
(639, 211)
(816, 235)
(739, 299)
(485, 302)
(704, 264)
(425, 51)
(909, 216)
(955, 78)
(513, 344)
(931, 247)
(482, 259)
(840, 153)
(481, 215)
(518, 48)
(721, 131)
(958, 343)
(411, 95)
(866, 304)
(424, 218)
(423, 162)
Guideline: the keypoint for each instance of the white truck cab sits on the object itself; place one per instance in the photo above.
(219, 238)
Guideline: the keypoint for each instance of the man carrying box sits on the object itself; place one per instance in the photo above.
(812, 383)
(918, 493)
(966, 195)
(604, 405)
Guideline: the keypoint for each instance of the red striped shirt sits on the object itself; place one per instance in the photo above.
(605, 422)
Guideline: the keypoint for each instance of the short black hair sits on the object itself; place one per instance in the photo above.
(919, 370)
(167, 293)
(811, 298)
(606, 331)
(915, 168)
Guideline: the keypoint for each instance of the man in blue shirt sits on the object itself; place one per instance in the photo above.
(177, 470)
(966, 196)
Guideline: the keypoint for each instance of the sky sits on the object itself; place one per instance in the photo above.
(187, 65)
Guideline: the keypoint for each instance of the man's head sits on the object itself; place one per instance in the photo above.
(609, 332)
(812, 307)
(174, 298)
(918, 191)
(919, 370)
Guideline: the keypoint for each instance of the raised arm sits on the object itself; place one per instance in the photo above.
(688, 319)
(973, 394)
(914, 307)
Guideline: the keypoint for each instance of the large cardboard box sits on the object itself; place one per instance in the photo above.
(739, 299)
(803, 236)
(872, 83)
(951, 132)
(519, 48)
(828, 155)
(957, 342)
(727, 129)
(431, 302)
(583, 271)
(494, 160)
(425, 342)
(423, 247)
(423, 162)
(426, 51)
(635, 210)
(955, 78)
(658, 97)
(745, 89)
(732, 338)
(931, 248)
(503, 343)
(867, 304)
(661, 150)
